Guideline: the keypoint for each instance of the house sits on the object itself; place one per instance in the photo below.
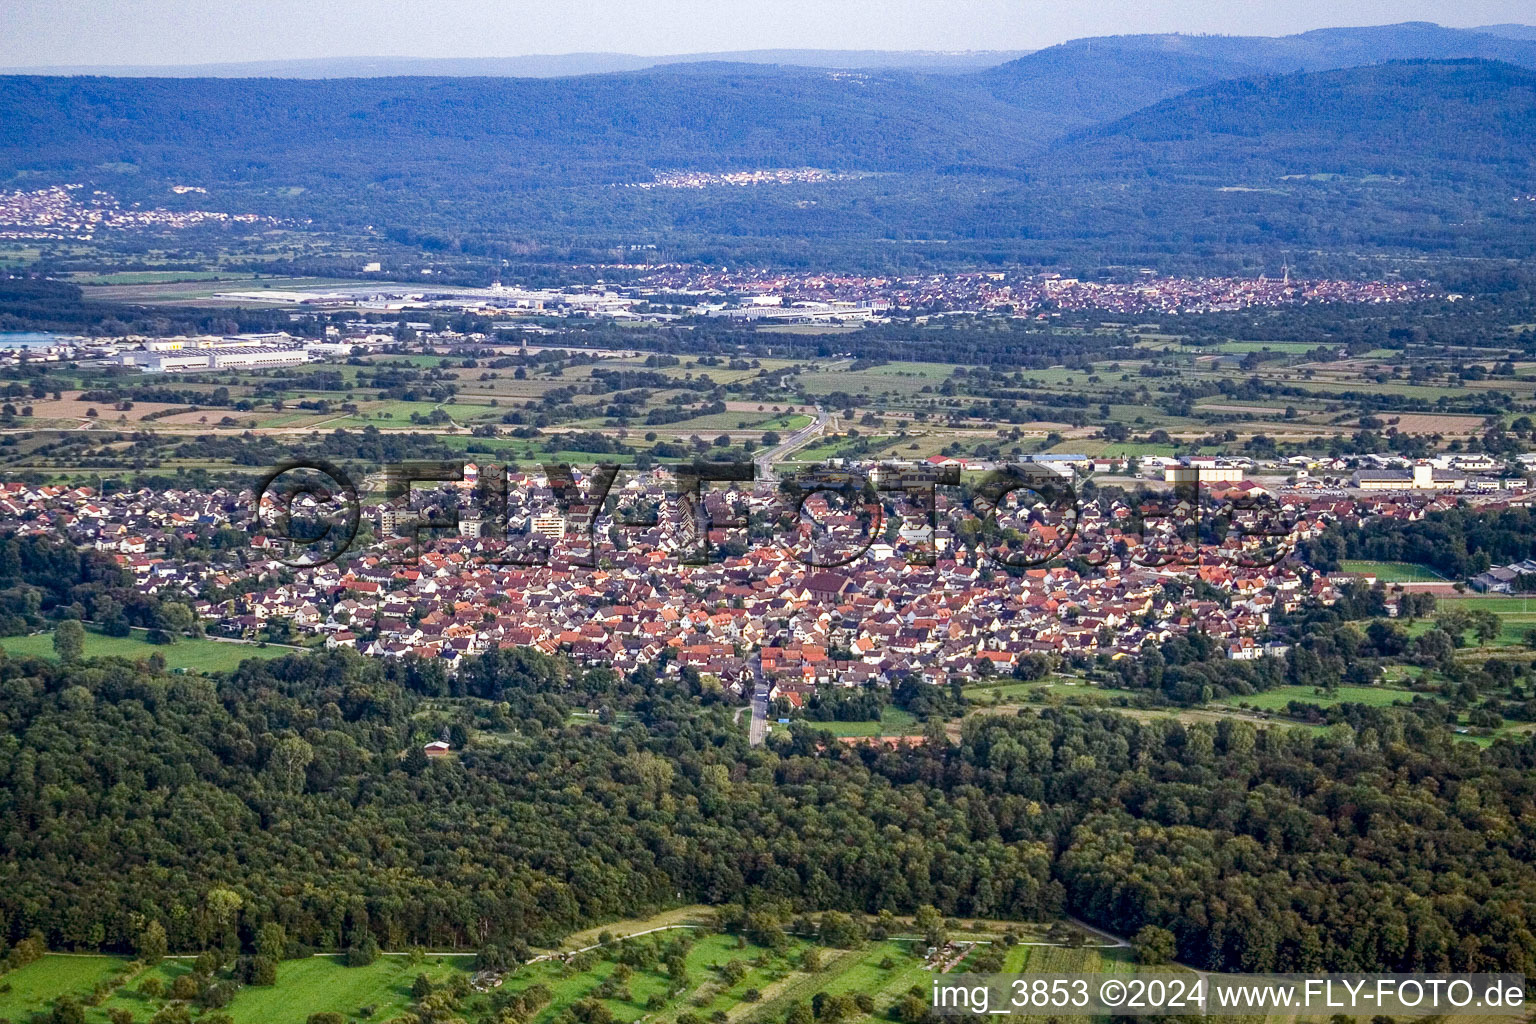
(437, 748)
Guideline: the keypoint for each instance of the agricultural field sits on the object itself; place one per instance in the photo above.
(1172, 396)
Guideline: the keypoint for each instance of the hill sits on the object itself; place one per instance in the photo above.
(495, 132)
(1509, 31)
(1033, 160)
(536, 65)
(1089, 81)
(1457, 123)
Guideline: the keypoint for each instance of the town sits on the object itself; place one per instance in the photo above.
(916, 603)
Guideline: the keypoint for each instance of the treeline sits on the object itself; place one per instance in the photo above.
(369, 448)
(294, 792)
(29, 304)
(1457, 543)
(41, 578)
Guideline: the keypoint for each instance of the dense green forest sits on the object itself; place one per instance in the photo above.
(294, 791)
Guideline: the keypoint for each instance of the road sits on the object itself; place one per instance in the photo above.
(794, 441)
(757, 732)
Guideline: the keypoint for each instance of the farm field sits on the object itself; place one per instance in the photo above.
(195, 654)
(936, 407)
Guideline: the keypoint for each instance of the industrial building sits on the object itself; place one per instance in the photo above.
(1422, 477)
(256, 358)
(191, 359)
(1203, 470)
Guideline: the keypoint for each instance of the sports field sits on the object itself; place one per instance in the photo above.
(1393, 572)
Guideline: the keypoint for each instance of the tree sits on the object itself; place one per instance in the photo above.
(415, 760)
(222, 905)
(839, 929)
(150, 944)
(1486, 625)
(119, 1015)
(207, 963)
(364, 952)
(910, 1009)
(69, 641)
(177, 617)
(272, 941)
(263, 971)
(930, 922)
(67, 1011)
(421, 987)
(290, 757)
(1154, 945)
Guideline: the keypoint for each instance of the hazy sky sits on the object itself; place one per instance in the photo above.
(40, 32)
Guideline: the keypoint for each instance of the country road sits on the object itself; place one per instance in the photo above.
(798, 439)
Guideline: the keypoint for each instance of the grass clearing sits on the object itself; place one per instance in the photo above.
(893, 722)
(312, 985)
(1280, 696)
(323, 984)
(1517, 615)
(194, 654)
(33, 988)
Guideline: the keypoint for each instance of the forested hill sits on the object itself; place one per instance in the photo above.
(1090, 81)
(1319, 50)
(1426, 118)
(538, 65)
(1457, 123)
(1413, 155)
(453, 133)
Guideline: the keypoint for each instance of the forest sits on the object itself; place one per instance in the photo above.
(142, 807)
